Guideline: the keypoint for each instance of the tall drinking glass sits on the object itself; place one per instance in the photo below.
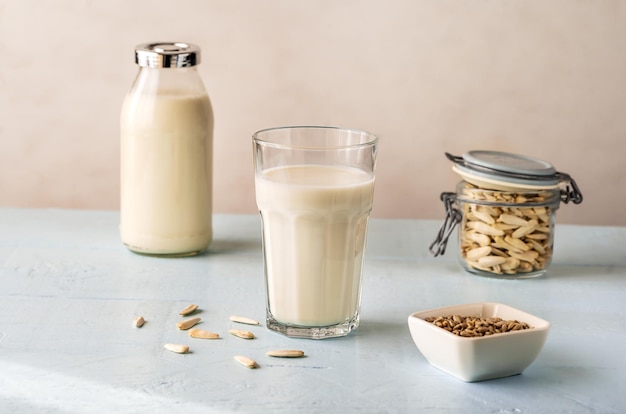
(314, 191)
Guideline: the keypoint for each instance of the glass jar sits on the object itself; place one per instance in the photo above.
(166, 154)
(505, 207)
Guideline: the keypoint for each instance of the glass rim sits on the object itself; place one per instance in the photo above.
(371, 141)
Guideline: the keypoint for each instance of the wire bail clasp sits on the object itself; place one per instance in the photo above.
(453, 217)
(572, 193)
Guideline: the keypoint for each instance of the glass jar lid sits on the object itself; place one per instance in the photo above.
(167, 55)
(505, 171)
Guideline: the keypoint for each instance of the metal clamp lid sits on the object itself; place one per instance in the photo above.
(502, 169)
(167, 55)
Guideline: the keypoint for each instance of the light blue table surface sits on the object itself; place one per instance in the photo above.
(69, 292)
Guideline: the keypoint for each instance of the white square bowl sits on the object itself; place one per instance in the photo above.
(479, 358)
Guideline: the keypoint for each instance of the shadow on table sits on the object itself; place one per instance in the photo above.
(393, 329)
(552, 369)
(225, 246)
(584, 271)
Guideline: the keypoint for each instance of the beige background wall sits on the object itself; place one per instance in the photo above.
(543, 78)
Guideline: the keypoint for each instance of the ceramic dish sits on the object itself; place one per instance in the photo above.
(479, 358)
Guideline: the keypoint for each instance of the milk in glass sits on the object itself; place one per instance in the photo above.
(314, 227)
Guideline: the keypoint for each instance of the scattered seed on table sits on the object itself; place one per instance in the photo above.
(241, 333)
(202, 334)
(244, 320)
(245, 361)
(178, 348)
(285, 353)
(188, 323)
(138, 321)
(188, 310)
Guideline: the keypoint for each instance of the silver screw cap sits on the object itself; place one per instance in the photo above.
(167, 55)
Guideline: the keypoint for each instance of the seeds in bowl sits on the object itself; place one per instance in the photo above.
(474, 326)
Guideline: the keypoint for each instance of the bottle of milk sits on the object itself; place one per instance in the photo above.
(166, 154)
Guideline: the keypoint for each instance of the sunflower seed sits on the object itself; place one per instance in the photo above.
(244, 320)
(286, 353)
(245, 361)
(188, 310)
(188, 323)
(138, 321)
(241, 333)
(202, 334)
(178, 348)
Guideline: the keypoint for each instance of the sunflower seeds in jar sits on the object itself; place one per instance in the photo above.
(504, 232)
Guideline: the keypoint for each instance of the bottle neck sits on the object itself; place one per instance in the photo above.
(175, 81)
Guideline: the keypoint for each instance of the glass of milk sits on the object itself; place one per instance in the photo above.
(314, 191)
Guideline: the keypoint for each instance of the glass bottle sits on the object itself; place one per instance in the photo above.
(166, 154)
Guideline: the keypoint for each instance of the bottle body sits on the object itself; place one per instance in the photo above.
(166, 163)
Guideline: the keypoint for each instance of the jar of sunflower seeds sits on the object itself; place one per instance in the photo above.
(505, 208)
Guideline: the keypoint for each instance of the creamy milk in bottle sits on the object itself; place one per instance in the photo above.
(166, 154)
(314, 228)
